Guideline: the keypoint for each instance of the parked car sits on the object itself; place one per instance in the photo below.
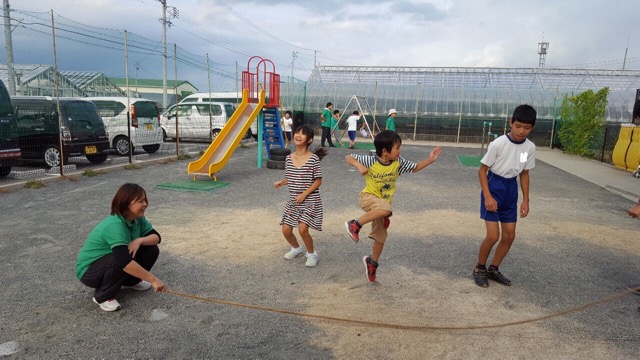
(9, 146)
(145, 123)
(40, 129)
(197, 120)
(231, 97)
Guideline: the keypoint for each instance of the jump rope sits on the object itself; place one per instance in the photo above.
(421, 328)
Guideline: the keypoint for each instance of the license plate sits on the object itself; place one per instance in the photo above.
(90, 149)
(148, 126)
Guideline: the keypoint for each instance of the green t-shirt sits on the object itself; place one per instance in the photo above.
(113, 231)
(327, 117)
(391, 124)
(334, 123)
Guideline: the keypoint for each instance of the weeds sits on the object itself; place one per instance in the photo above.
(34, 184)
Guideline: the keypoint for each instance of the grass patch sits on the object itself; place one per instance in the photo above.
(184, 157)
(71, 178)
(133, 167)
(34, 184)
(89, 173)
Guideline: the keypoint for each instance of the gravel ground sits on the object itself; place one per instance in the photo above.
(576, 246)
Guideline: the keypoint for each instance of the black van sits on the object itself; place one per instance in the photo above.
(39, 132)
(9, 148)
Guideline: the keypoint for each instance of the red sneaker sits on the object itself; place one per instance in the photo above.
(353, 229)
(387, 222)
(370, 269)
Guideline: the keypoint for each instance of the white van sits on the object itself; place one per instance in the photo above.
(194, 120)
(230, 97)
(145, 123)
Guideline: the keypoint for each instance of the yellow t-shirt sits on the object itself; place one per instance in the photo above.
(381, 179)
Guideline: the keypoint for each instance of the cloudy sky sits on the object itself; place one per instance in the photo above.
(476, 33)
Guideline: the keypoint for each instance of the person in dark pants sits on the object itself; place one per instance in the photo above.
(326, 125)
(121, 250)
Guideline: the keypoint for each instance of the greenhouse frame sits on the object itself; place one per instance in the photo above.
(453, 103)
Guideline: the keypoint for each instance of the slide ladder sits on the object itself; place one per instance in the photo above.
(271, 130)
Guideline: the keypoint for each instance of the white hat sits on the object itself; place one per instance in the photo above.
(392, 111)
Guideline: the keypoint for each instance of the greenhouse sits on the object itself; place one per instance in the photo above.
(453, 103)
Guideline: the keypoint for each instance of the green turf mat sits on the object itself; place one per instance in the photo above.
(191, 185)
(469, 160)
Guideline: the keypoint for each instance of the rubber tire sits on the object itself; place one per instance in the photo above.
(97, 158)
(121, 145)
(150, 149)
(272, 164)
(214, 134)
(5, 171)
(53, 150)
(280, 151)
(279, 157)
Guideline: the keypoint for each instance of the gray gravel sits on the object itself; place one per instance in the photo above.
(46, 313)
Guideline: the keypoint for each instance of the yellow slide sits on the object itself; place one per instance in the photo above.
(223, 146)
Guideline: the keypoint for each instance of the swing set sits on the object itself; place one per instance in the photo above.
(358, 102)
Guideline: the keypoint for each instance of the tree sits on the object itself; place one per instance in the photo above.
(583, 118)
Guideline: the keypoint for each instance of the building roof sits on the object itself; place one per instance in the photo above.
(150, 82)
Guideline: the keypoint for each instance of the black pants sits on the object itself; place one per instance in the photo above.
(326, 135)
(107, 276)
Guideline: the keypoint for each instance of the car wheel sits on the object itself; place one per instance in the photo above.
(5, 170)
(214, 134)
(280, 151)
(121, 145)
(151, 148)
(278, 157)
(272, 164)
(51, 156)
(97, 158)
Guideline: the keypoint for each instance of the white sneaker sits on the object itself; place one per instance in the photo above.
(109, 305)
(312, 259)
(141, 286)
(293, 253)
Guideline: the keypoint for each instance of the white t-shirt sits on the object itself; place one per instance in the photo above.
(287, 124)
(507, 158)
(352, 122)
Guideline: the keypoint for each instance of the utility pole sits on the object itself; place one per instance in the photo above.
(624, 62)
(293, 58)
(9, 48)
(165, 102)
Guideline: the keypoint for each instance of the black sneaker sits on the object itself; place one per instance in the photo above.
(497, 276)
(370, 269)
(480, 277)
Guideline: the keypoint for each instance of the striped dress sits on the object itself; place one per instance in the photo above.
(299, 180)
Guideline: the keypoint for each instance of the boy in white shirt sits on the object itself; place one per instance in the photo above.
(287, 122)
(352, 128)
(507, 157)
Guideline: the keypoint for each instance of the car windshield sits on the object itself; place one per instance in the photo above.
(5, 103)
(81, 115)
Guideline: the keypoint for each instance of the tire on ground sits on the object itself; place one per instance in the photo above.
(272, 164)
(278, 157)
(280, 151)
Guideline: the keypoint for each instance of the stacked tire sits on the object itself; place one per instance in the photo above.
(277, 158)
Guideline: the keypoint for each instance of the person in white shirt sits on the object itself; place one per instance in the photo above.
(287, 122)
(352, 127)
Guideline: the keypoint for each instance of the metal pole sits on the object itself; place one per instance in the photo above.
(11, 80)
(126, 77)
(165, 100)
(210, 105)
(415, 121)
(56, 81)
(460, 116)
(175, 68)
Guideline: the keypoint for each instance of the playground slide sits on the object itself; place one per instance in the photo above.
(223, 146)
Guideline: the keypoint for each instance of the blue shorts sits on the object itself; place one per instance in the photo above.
(505, 192)
(352, 135)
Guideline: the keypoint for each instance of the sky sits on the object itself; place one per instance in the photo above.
(296, 34)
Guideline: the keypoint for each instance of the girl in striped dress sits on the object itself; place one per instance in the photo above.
(303, 210)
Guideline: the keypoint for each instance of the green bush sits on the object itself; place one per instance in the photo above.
(582, 122)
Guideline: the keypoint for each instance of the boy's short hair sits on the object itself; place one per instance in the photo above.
(355, 112)
(525, 114)
(329, 104)
(386, 140)
(336, 112)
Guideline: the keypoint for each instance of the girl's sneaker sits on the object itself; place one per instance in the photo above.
(109, 305)
(312, 259)
(293, 253)
(141, 286)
